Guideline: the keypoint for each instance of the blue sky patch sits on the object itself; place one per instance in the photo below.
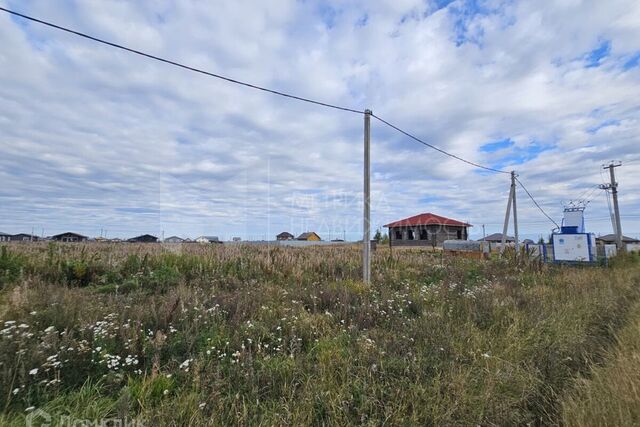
(429, 199)
(595, 57)
(328, 15)
(634, 61)
(464, 15)
(606, 123)
(520, 155)
(441, 4)
(492, 147)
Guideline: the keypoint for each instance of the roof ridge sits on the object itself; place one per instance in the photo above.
(426, 217)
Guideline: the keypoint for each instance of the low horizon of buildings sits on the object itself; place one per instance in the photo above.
(425, 229)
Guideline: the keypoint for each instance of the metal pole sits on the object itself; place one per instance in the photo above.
(515, 212)
(506, 220)
(366, 238)
(616, 209)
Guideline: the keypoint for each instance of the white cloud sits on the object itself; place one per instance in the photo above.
(91, 137)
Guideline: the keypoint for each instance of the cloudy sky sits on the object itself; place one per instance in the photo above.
(93, 139)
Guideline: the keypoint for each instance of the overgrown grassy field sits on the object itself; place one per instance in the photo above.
(609, 395)
(216, 335)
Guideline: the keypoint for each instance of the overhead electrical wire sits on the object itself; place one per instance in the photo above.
(272, 91)
(585, 192)
(536, 203)
(178, 64)
(587, 198)
(540, 222)
(415, 138)
(240, 82)
(287, 95)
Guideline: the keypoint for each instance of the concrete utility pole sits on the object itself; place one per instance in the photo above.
(507, 214)
(613, 186)
(366, 238)
(515, 212)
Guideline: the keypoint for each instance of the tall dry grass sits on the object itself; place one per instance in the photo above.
(609, 394)
(248, 335)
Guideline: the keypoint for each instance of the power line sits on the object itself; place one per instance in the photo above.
(536, 203)
(588, 197)
(239, 82)
(415, 138)
(603, 218)
(585, 197)
(177, 64)
(585, 192)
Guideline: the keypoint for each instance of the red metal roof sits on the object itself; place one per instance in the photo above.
(427, 219)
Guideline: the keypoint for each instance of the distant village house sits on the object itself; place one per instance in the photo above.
(208, 239)
(23, 237)
(69, 237)
(4, 237)
(174, 239)
(426, 229)
(497, 238)
(145, 238)
(285, 236)
(310, 236)
(610, 239)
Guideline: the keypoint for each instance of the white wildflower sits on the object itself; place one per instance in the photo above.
(185, 365)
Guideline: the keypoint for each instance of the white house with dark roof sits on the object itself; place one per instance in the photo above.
(174, 239)
(497, 238)
(208, 239)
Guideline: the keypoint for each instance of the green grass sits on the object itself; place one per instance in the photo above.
(254, 335)
(609, 395)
